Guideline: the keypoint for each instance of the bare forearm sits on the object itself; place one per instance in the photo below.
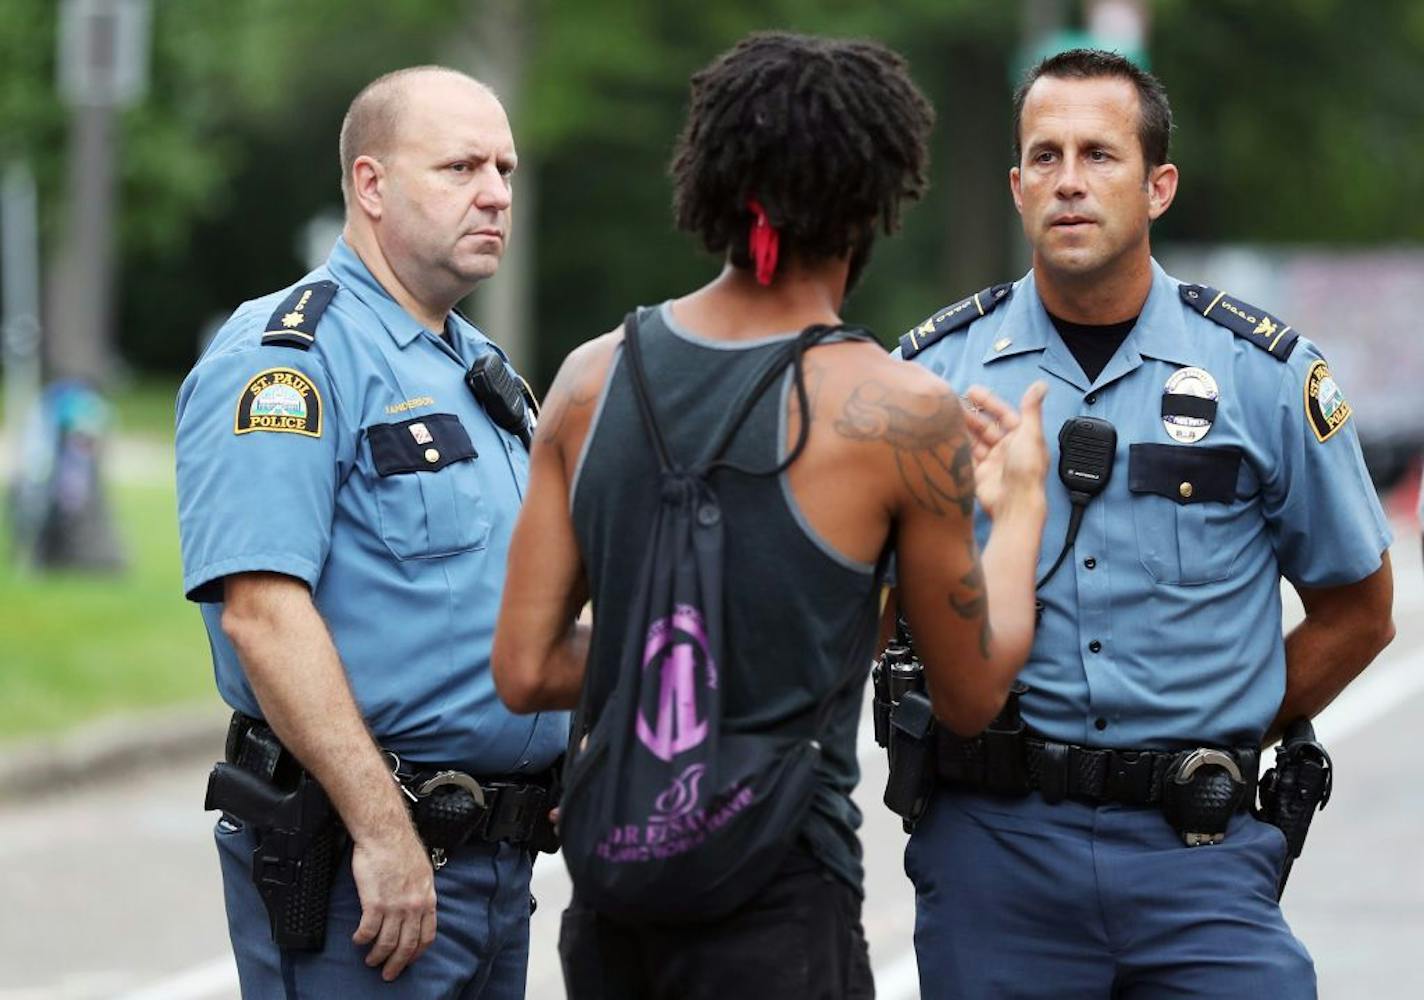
(296, 673)
(1010, 560)
(530, 681)
(992, 606)
(1344, 629)
(1321, 660)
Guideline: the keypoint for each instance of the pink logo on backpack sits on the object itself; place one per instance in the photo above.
(677, 647)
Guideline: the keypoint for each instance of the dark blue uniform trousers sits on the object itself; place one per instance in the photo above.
(481, 947)
(1016, 898)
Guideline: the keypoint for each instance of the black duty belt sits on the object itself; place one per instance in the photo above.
(1060, 771)
(450, 808)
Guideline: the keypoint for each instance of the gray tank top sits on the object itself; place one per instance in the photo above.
(796, 610)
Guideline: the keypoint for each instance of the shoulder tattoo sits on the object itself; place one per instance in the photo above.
(926, 433)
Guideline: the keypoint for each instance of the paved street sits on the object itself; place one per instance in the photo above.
(113, 892)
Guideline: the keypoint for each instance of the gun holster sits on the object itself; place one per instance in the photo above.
(300, 839)
(1005, 757)
(912, 757)
(1292, 791)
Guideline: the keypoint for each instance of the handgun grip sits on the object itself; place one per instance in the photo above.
(251, 799)
(1299, 731)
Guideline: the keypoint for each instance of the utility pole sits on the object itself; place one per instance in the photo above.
(1117, 25)
(103, 66)
(19, 268)
(103, 54)
(494, 48)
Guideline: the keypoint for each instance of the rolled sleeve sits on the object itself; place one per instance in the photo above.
(257, 445)
(1327, 525)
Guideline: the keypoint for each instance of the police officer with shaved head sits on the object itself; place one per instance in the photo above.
(1098, 840)
(351, 457)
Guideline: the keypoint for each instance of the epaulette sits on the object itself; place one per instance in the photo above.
(1246, 321)
(955, 317)
(294, 322)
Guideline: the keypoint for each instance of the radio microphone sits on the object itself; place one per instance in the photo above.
(1085, 456)
(1086, 448)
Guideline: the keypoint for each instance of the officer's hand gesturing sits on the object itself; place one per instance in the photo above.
(1010, 455)
(396, 885)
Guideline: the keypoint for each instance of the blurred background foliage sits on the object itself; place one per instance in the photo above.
(1297, 123)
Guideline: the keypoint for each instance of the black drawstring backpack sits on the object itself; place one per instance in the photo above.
(666, 817)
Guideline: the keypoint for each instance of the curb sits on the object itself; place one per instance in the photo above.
(110, 748)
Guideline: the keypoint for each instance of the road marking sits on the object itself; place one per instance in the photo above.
(216, 977)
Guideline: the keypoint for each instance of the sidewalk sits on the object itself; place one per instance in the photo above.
(111, 748)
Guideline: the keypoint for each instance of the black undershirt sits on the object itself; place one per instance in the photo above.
(1093, 345)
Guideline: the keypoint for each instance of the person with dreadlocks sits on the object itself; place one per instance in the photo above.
(796, 151)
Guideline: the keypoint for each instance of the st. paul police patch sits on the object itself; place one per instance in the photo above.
(1325, 405)
(280, 400)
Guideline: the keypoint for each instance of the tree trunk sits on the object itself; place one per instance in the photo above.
(493, 48)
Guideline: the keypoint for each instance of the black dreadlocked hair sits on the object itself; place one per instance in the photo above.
(829, 135)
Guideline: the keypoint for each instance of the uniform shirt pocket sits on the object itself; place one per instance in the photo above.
(1186, 499)
(427, 488)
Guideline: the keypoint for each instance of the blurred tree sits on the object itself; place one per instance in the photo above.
(1296, 123)
(608, 94)
(1297, 126)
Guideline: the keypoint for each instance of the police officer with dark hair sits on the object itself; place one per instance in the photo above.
(1107, 849)
(345, 504)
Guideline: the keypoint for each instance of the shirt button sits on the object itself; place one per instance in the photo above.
(1092, 398)
(431, 455)
(1185, 490)
(1090, 563)
(1100, 723)
(1095, 646)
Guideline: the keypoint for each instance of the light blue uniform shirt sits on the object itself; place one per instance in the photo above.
(389, 492)
(1163, 627)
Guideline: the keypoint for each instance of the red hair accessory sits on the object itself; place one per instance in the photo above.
(763, 244)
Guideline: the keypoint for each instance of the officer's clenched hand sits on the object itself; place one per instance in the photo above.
(1010, 455)
(396, 886)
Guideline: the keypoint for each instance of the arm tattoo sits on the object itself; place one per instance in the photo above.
(975, 602)
(931, 450)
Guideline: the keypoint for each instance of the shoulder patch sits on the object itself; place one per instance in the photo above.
(1325, 408)
(952, 318)
(281, 400)
(294, 322)
(1246, 321)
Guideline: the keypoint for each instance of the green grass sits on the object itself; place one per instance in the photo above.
(145, 406)
(74, 647)
(142, 406)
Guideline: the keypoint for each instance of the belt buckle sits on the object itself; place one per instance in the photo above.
(1128, 779)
